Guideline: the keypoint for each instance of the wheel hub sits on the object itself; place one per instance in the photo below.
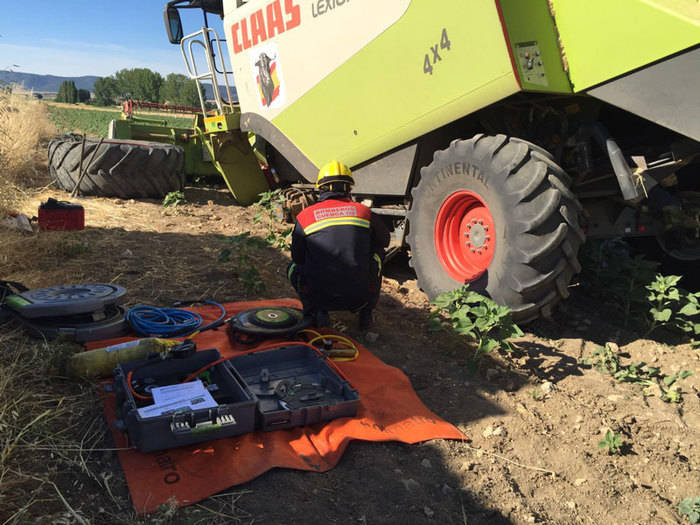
(464, 236)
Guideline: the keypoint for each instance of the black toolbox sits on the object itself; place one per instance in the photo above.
(234, 415)
(294, 386)
(273, 389)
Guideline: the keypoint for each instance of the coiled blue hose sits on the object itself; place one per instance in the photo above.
(151, 321)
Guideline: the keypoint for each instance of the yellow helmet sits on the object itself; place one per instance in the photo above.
(334, 171)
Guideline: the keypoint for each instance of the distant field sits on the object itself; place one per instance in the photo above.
(94, 122)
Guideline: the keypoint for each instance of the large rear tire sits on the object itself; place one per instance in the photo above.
(496, 212)
(120, 168)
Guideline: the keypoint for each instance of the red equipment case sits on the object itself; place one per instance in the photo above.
(61, 215)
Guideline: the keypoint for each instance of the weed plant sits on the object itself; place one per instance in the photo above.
(673, 307)
(270, 206)
(606, 361)
(616, 277)
(644, 297)
(174, 198)
(690, 508)
(238, 250)
(478, 318)
(612, 443)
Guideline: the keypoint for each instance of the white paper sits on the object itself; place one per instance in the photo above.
(166, 394)
(178, 398)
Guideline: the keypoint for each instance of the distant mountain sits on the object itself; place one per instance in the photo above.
(45, 83)
(51, 83)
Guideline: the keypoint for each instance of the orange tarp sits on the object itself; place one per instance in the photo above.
(389, 410)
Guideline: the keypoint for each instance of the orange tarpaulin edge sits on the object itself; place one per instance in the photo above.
(389, 410)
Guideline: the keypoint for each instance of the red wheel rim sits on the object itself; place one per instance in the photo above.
(465, 236)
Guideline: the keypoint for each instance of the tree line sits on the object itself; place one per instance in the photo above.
(136, 84)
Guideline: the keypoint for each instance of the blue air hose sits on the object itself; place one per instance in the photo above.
(151, 321)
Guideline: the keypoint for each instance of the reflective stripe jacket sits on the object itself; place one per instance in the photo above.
(334, 241)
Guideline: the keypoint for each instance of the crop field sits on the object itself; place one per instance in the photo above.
(95, 121)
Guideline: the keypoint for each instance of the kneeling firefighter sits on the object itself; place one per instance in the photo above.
(337, 251)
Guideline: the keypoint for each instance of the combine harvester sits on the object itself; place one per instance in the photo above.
(493, 136)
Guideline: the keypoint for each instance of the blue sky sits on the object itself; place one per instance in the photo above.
(90, 37)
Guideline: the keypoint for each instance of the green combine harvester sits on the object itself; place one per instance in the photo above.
(494, 136)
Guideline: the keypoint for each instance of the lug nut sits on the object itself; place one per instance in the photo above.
(486, 228)
(478, 251)
(473, 250)
(481, 222)
(473, 221)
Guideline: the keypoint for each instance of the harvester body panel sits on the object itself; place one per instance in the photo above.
(364, 77)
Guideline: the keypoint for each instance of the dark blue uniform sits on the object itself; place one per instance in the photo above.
(337, 253)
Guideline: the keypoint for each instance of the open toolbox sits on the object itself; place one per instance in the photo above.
(271, 389)
(294, 386)
(152, 426)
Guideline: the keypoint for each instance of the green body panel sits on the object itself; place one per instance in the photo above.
(603, 39)
(157, 131)
(382, 97)
(226, 122)
(235, 159)
(529, 22)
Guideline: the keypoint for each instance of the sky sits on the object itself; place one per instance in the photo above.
(90, 37)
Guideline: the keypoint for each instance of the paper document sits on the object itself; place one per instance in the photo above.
(178, 398)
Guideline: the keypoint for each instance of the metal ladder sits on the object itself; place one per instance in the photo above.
(204, 37)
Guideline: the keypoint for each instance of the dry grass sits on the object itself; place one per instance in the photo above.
(24, 131)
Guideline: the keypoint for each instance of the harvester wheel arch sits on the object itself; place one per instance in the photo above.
(120, 168)
(496, 212)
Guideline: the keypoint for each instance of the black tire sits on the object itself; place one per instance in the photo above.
(120, 168)
(535, 218)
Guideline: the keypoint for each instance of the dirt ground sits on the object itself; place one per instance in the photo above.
(534, 417)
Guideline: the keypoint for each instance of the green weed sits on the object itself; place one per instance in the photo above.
(673, 307)
(606, 361)
(690, 508)
(238, 251)
(476, 317)
(612, 442)
(174, 198)
(270, 206)
(613, 275)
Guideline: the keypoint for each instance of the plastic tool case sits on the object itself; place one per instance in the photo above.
(234, 415)
(272, 389)
(295, 386)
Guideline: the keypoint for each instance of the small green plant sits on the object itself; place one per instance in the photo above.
(606, 361)
(174, 198)
(612, 442)
(476, 317)
(617, 277)
(270, 205)
(673, 307)
(244, 267)
(690, 508)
